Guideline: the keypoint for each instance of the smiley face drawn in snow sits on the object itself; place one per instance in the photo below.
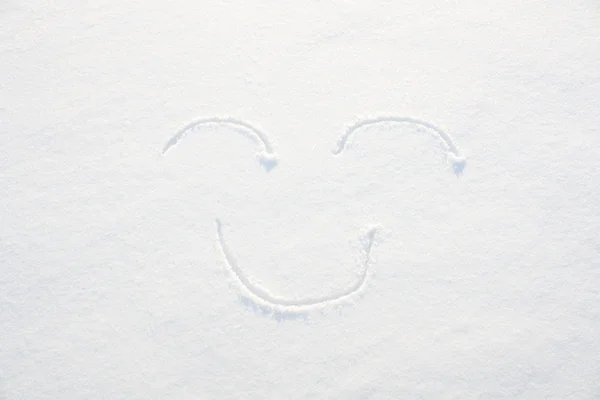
(263, 298)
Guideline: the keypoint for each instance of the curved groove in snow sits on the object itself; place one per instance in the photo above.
(261, 296)
(457, 158)
(264, 298)
(267, 157)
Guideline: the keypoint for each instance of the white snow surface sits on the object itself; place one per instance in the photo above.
(278, 199)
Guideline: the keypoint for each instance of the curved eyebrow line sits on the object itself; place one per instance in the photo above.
(343, 140)
(260, 135)
(263, 297)
(267, 156)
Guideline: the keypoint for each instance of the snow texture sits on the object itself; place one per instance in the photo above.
(359, 200)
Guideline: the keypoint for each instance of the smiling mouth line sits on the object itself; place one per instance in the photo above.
(263, 297)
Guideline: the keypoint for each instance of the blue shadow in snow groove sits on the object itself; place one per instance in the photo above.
(459, 167)
(268, 312)
(268, 161)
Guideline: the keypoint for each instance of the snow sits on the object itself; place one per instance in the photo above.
(299, 200)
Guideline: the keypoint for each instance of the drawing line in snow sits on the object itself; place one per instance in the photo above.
(266, 157)
(263, 297)
(458, 160)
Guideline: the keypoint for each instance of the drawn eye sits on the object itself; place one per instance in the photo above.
(266, 157)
